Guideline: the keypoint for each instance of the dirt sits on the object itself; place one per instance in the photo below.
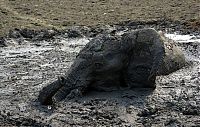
(28, 64)
(31, 59)
(60, 14)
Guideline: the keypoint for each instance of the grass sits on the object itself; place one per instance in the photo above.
(59, 14)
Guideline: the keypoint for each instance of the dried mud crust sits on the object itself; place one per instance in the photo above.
(28, 64)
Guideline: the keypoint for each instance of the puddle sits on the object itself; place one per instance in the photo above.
(25, 69)
(74, 45)
(69, 45)
(190, 45)
(183, 38)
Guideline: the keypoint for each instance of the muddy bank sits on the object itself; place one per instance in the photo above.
(28, 63)
(165, 25)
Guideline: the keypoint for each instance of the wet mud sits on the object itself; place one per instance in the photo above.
(29, 64)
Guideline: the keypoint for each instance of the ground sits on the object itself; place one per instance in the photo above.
(28, 64)
(59, 14)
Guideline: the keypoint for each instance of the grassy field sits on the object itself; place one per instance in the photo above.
(59, 14)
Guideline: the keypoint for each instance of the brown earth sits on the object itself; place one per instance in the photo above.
(59, 14)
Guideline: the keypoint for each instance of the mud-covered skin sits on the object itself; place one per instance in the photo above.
(174, 58)
(2, 42)
(109, 62)
(146, 58)
(99, 65)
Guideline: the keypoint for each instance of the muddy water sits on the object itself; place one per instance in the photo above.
(27, 67)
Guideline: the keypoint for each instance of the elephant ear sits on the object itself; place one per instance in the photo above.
(146, 58)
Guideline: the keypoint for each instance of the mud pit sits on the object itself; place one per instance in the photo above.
(27, 67)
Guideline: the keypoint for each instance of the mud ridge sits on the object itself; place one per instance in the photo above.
(167, 25)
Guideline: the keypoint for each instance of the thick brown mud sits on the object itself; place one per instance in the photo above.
(26, 67)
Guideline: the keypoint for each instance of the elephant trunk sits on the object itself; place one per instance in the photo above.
(77, 77)
(79, 74)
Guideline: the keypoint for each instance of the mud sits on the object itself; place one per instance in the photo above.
(27, 65)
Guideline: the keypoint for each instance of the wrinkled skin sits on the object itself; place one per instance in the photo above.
(108, 63)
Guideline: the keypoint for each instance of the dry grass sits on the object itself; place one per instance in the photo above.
(40, 14)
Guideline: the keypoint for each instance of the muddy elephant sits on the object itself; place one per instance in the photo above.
(109, 62)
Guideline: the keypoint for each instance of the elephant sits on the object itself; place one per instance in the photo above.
(111, 62)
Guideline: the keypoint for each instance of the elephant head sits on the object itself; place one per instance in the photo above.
(98, 65)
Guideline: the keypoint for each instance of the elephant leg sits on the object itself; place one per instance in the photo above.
(139, 78)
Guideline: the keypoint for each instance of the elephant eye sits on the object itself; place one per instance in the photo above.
(62, 79)
(98, 65)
